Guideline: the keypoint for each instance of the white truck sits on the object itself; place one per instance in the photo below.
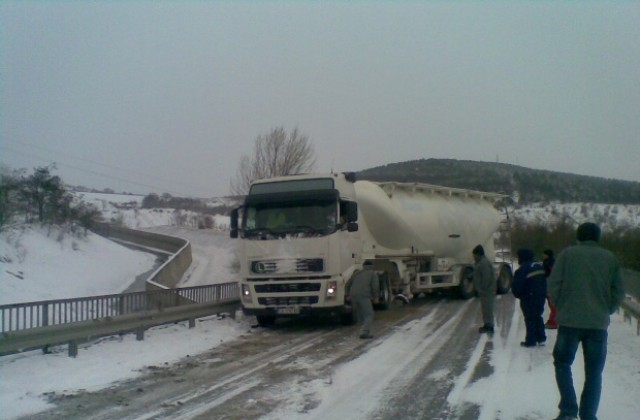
(302, 237)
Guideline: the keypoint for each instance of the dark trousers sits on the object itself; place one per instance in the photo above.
(487, 301)
(594, 349)
(532, 309)
(364, 313)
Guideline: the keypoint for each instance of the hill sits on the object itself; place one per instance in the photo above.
(526, 184)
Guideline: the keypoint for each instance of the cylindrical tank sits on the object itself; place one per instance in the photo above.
(423, 218)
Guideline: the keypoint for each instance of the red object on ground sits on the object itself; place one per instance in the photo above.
(551, 322)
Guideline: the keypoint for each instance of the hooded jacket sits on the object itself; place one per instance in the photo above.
(484, 279)
(529, 280)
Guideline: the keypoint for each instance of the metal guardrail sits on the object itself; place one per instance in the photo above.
(28, 315)
(630, 306)
(631, 309)
(166, 276)
(32, 325)
(29, 325)
(138, 322)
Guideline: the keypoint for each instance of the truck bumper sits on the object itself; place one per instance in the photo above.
(301, 311)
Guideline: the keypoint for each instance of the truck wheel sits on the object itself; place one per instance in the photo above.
(504, 279)
(348, 318)
(266, 320)
(385, 294)
(466, 289)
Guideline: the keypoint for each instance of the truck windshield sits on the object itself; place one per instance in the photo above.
(302, 219)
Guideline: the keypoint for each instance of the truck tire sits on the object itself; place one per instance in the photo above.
(385, 293)
(266, 320)
(348, 318)
(504, 279)
(466, 288)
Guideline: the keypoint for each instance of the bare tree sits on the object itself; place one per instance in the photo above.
(275, 154)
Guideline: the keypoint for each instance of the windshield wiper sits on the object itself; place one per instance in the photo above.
(259, 231)
(305, 228)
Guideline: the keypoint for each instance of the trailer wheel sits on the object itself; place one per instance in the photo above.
(504, 279)
(266, 320)
(466, 289)
(385, 293)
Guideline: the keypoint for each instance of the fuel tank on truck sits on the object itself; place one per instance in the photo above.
(422, 218)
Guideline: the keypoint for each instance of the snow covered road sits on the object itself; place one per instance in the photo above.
(420, 365)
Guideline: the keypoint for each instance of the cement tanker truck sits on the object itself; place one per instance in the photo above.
(301, 238)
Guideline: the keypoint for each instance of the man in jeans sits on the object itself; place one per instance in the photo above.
(586, 287)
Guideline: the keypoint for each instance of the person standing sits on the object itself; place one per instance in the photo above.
(484, 281)
(363, 290)
(530, 286)
(547, 262)
(586, 287)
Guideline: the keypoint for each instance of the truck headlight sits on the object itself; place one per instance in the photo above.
(246, 293)
(332, 290)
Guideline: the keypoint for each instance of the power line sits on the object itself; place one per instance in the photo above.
(40, 148)
(91, 171)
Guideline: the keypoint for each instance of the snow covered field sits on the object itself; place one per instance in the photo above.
(36, 264)
(126, 209)
(608, 216)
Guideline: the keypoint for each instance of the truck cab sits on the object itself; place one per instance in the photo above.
(299, 244)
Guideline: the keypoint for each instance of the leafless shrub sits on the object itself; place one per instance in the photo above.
(275, 154)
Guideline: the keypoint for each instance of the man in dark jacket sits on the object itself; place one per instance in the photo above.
(530, 286)
(484, 281)
(363, 289)
(586, 287)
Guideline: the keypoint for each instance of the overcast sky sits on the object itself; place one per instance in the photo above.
(166, 96)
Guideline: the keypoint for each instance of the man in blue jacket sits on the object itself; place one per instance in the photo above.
(586, 287)
(530, 286)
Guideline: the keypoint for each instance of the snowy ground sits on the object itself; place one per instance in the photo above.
(42, 263)
(37, 266)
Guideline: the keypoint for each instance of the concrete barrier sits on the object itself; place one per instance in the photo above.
(168, 274)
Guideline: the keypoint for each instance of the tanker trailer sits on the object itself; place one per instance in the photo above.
(302, 237)
(421, 235)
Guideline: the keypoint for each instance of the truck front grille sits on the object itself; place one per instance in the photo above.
(288, 301)
(287, 287)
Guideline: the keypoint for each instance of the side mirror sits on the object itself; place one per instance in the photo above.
(233, 233)
(352, 211)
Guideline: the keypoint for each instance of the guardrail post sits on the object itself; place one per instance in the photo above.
(73, 348)
(45, 315)
(140, 333)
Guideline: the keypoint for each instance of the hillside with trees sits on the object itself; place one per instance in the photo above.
(528, 185)
(41, 197)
